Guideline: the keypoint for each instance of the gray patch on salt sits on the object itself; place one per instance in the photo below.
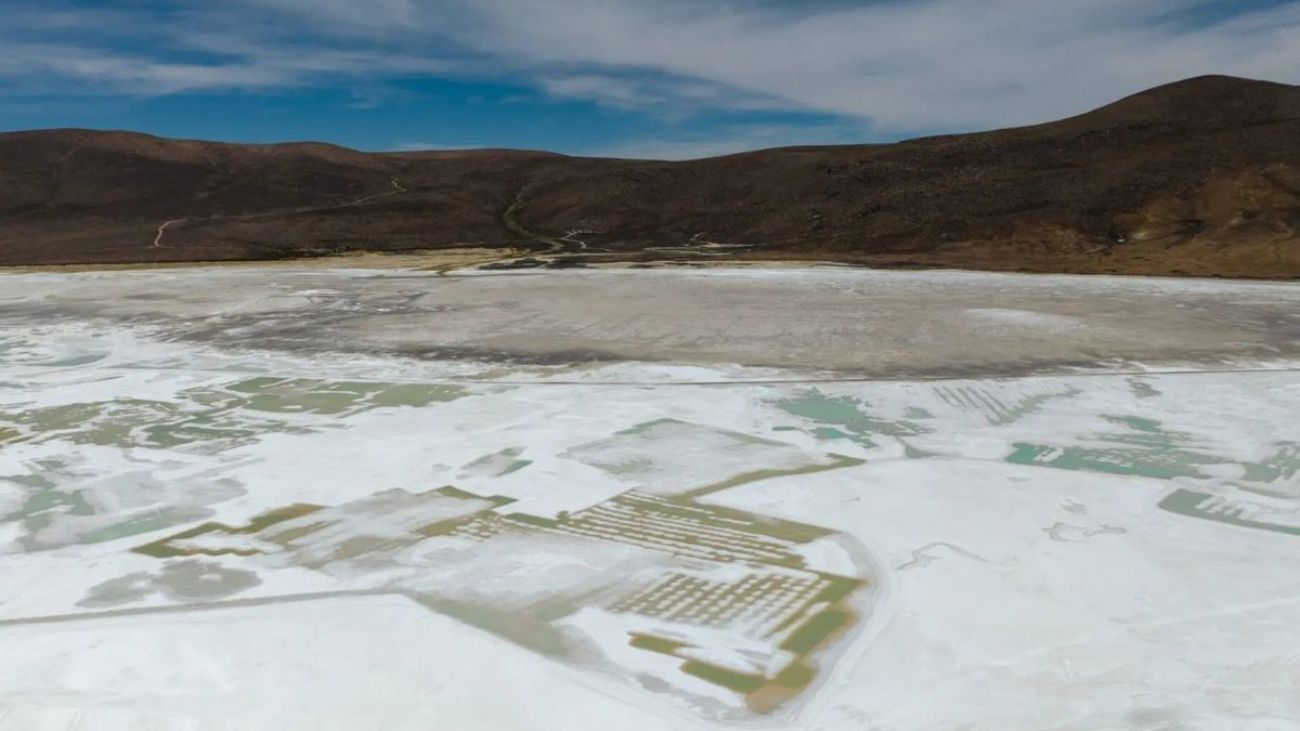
(184, 581)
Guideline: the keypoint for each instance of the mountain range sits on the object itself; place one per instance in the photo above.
(1199, 177)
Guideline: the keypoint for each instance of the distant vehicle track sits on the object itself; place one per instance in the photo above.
(398, 189)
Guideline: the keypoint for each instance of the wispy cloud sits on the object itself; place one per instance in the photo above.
(902, 65)
(925, 63)
(172, 48)
(422, 147)
(730, 139)
(99, 71)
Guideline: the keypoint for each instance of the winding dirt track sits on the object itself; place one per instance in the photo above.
(157, 239)
(398, 189)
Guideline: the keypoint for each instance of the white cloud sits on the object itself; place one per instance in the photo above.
(919, 64)
(101, 71)
(607, 90)
(666, 95)
(732, 139)
(915, 65)
(422, 147)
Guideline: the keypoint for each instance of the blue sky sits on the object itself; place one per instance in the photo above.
(654, 78)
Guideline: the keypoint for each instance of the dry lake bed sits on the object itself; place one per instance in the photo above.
(823, 499)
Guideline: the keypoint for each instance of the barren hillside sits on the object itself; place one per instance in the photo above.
(1200, 177)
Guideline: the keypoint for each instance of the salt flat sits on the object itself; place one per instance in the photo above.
(788, 498)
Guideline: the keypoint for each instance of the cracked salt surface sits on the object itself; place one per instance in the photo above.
(271, 523)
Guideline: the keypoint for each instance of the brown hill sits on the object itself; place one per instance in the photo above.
(1199, 177)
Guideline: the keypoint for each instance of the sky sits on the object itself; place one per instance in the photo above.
(665, 79)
